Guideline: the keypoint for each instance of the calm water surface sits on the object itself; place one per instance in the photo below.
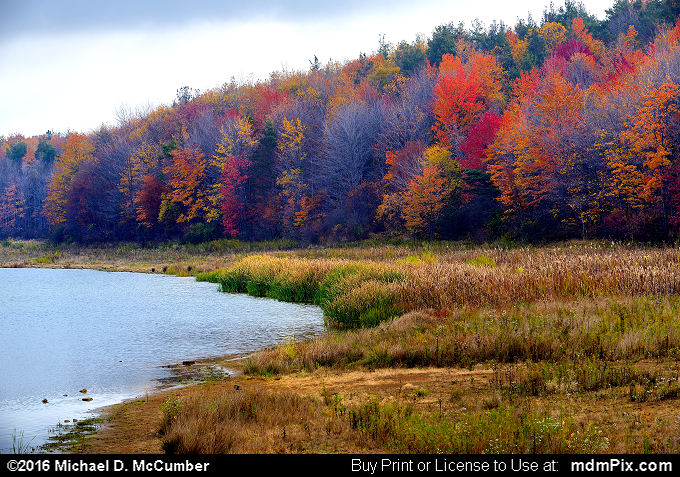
(112, 333)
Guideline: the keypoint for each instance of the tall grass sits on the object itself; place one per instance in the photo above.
(387, 282)
(407, 275)
(351, 293)
(606, 330)
(550, 273)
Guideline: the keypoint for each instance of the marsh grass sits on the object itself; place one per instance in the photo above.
(352, 294)
(362, 287)
(48, 258)
(576, 333)
(464, 279)
(171, 409)
(20, 445)
(413, 275)
(184, 259)
(482, 261)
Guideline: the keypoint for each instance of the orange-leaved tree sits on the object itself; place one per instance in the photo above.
(77, 151)
(459, 102)
(429, 193)
(648, 138)
(188, 183)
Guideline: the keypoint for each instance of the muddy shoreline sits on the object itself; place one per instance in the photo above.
(71, 437)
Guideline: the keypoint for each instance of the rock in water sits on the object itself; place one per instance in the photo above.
(88, 399)
(84, 390)
(44, 401)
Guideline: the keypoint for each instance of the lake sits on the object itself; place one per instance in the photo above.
(115, 334)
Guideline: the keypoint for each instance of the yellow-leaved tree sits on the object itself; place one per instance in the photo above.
(291, 157)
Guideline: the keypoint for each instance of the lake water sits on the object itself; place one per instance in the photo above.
(114, 334)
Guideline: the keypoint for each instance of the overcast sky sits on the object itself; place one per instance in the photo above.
(70, 65)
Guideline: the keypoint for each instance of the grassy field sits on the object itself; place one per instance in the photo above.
(431, 347)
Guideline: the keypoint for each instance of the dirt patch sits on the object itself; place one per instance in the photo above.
(132, 427)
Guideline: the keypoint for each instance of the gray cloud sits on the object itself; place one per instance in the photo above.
(20, 18)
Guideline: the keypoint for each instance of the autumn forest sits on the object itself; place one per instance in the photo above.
(567, 127)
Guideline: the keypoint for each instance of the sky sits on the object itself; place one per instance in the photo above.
(73, 65)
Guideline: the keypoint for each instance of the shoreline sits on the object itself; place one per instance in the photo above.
(68, 438)
(62, 439)
(198, 373)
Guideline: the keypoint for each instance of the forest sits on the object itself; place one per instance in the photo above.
(568, 127)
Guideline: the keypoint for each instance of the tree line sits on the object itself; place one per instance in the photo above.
(565, 128)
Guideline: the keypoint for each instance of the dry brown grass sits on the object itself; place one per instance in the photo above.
(171, 258)
(256, 421)
(542, 274)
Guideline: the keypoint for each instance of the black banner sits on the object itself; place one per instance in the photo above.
(340, 464)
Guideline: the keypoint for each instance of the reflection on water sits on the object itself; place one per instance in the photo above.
(112, 333)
